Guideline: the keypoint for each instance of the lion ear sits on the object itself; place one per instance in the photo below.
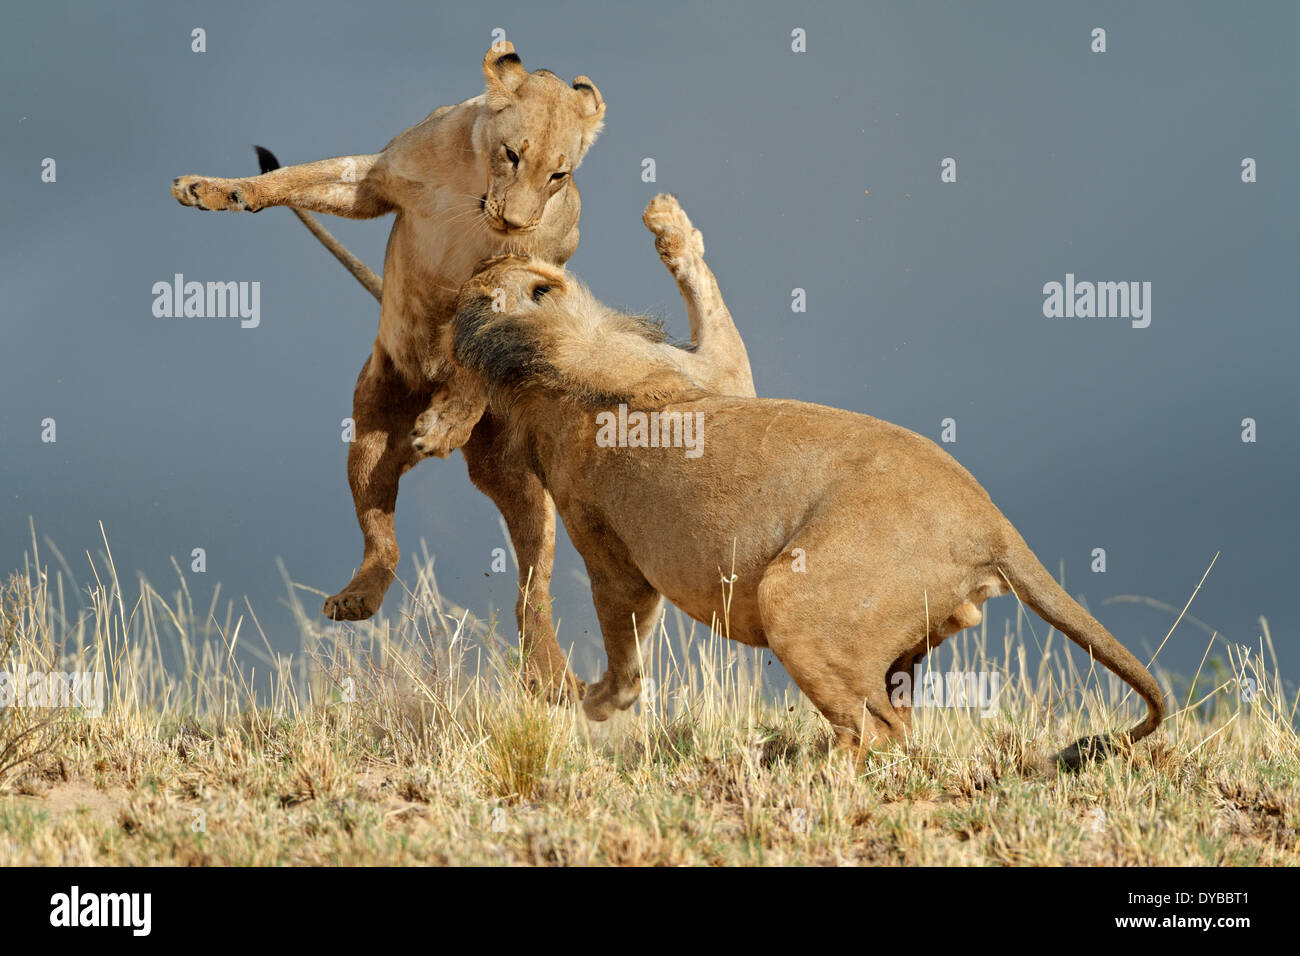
(504, 71)
(595, 118)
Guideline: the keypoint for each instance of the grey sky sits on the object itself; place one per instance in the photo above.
(817, 170)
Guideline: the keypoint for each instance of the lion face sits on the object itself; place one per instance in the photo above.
(537, 132)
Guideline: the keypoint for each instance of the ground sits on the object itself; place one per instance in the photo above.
(410, 742)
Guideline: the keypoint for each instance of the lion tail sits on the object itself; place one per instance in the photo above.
(364, 274)
(1035, 585)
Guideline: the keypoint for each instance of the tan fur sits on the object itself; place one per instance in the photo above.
(458, 196)
(901, 545)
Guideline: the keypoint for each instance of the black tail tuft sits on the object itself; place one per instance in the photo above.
(266, 159)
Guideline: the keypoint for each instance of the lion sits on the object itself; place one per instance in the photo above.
(493, 174)
(900, 544)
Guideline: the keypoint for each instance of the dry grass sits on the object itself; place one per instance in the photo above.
(406, 741)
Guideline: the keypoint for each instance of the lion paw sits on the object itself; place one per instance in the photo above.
(554, 688)
(213, 194)
(442, 428)
(676, 240)
(360, 599)
(604, 697)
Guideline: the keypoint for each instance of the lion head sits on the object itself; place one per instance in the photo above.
(523, 323)
(536, 131)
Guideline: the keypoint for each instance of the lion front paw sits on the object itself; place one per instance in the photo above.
(231, 195)
(606, 696)
(554, 687)
(361, 598)
(443, 427)
(676, 240)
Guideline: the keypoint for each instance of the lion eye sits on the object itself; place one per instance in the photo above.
(556, 177)
(539, 291)
(512, 156)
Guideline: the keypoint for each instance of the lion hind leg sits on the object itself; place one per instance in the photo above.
(383, 410)
(496, 469)
(840, 657)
